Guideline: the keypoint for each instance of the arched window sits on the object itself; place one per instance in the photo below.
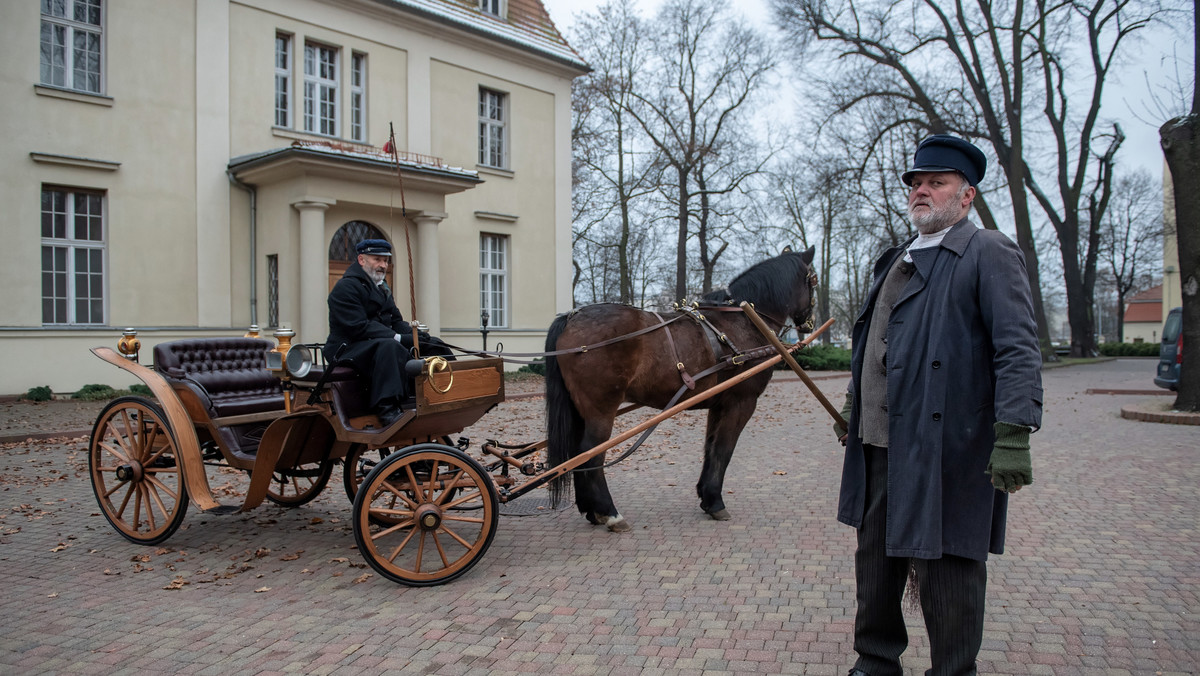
(341, 249)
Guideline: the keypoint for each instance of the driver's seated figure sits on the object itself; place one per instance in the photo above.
(366, 327)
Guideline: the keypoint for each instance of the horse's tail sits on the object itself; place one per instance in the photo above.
(564, 425)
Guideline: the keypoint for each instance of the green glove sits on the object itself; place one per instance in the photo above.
(1011, 466)
(838, 430)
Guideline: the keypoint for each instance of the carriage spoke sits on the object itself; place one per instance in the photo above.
(462, 519)
(154, 456)
(121, 441)
(125, 502)
(398, 527)
(117, 454)
(160, 486)
(420, 552)
(467, 497)
(441, 552)
(152, 491)
(396, 493)
(144, 490)
(456, 537)
(446, 492)
(400, 547)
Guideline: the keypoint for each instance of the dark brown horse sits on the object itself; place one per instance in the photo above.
(585, 389)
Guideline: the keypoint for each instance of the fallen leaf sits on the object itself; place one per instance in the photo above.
(779, 472)
(290, 557)
(362, 578)
(262, 589)
(177, 583)
(316, 520)
(340, 559)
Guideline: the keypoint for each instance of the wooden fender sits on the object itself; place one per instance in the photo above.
(191, 462)
(290, 433)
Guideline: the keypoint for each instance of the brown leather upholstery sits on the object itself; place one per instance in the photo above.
(228, 375)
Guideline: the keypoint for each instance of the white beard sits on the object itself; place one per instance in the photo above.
(376, 276)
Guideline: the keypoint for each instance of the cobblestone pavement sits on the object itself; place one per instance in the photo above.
(1101, 575)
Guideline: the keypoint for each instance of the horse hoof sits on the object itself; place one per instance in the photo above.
(618, 524)
(720, 515)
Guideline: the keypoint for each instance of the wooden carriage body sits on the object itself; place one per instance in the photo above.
(216, 402)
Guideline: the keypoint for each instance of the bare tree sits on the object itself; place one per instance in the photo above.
(980, 70)
(691, 104)
(611, 174)
(1130, 239)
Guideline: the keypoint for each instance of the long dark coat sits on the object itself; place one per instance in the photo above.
(363, 323)
(962, 353)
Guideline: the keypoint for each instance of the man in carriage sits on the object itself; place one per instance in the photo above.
(367, 330)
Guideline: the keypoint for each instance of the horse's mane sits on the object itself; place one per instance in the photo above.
(769, 283)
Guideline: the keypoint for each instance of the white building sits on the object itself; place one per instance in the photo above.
(191, 168)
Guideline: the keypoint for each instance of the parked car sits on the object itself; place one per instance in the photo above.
(1170, 352)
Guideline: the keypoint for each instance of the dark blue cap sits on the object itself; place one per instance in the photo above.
(942, 152)
(374, 247)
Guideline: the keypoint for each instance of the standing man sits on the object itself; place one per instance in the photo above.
(366, 327)
(945, 390)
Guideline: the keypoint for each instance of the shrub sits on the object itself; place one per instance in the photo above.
(142, 389)
(40, 393)
(822, 357)
(538, 368)
(96, 392)
(1129, 349)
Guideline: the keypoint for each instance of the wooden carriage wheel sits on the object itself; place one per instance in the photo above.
(136, 476)
(358, 463)
(425, 515)
(296, 486)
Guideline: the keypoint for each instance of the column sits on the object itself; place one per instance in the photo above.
(313, 324)
(428, 270)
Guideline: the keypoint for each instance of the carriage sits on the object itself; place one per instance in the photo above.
(425, 509)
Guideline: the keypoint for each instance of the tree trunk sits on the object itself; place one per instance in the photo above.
(1180, 140)
(681, 244)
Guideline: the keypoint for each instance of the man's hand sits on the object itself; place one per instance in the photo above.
(843, 432)
(1011, 466)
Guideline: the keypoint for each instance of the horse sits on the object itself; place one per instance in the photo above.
(586, 387)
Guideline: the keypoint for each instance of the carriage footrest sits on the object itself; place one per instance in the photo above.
(222, 509)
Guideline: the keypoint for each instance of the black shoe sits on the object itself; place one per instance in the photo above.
(387, 413)
(858, 672)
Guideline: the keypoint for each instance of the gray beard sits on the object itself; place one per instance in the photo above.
(376, 277)
(936, 219)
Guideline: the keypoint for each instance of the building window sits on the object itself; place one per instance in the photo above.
(320, 89)
(273, 290)
(493, 279)
(358, 97)
(493, 7)
(72, 44)
(72, 256)
(493, 120)
(283, 80)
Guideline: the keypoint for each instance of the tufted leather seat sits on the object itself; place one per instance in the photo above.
(228, 375)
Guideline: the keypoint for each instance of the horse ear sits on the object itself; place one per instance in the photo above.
(786, 249)
(808, 255)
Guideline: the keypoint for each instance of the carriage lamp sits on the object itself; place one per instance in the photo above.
(299, 361)
(275, 357)
(129, 344)
(483, 324)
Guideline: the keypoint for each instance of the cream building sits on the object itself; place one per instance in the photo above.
(190, 168)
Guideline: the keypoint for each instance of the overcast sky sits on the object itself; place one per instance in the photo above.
(1124, 95)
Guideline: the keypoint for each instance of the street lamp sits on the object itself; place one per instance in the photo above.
(483, 324)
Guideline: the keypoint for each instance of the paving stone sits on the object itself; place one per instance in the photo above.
(1100, 576)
